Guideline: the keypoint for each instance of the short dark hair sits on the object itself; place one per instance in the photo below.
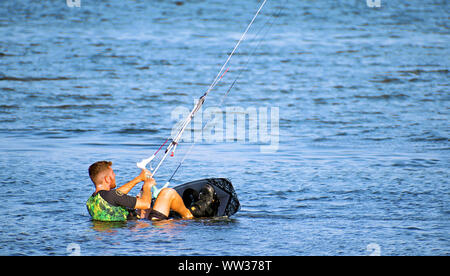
(98, 167)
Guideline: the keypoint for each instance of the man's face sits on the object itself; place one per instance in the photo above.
(111, 178)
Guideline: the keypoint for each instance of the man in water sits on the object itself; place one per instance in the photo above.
(110, 204)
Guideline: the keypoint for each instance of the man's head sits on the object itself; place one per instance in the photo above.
(102, 174)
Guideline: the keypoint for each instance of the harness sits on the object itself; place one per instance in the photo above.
(100, 209)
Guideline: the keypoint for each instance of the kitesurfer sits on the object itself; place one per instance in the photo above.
(110, 204)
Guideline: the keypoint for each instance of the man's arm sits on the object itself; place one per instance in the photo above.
(145, 202)
(126, 188)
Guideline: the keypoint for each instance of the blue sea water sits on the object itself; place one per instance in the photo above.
(363, 96)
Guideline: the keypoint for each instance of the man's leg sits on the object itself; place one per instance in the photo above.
(168, 199)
